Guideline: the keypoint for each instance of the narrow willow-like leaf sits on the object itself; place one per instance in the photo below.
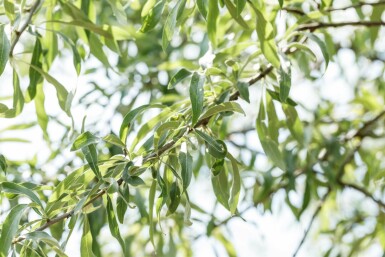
(280, 3)
(240, 6)
(169, 25)
(322, 46)
(10, 227)
(223, 107)
(122, 203)
(151, 199)
(34, 75)
(202, 7)
(185, 160)
(220, 183)
(275, 96)
(243, 89)
(164, 128)
(187, 212)
(113, 139)
(151, 17)
(3, 164)
(18, 99)
(217, 148)
(294, 123)
(178, 77)
(129, 118)
(41, 236)
(61, 91)
(113, 224)
(284, 84)
(91, 156)
(236, 184)
(4, 49)
(14, 188)
(83, 140)
(265, 33)
(174, 197)
(196, 96)
(235, 12)
(212, 20)
(86, 241)
(9, 10)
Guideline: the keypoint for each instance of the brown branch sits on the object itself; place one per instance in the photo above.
(320, 25)
(20, 31)
(363, 191)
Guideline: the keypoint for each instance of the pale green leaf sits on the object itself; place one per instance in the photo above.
(86, 240)
(113, 224)
(223, 107)
(14, 188)
(83, 140)
(185, 160)
(196, 96)
(4, 49)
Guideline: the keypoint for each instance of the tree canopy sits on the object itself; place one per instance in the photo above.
(165, 120)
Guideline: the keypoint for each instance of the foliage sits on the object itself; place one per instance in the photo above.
(189, 81)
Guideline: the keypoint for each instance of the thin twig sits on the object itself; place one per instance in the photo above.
(20, 31)
(364, 192)
(315, 214)
(355, 6)
(320, 25)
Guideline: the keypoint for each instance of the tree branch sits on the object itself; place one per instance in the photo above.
(363, 191)
(20, 31)
(355, 6)
(319, 25)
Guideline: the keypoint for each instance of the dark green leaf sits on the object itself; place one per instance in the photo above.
(240, 6)
(284, 84)
(170, 24)
(178, 77)
(34, 75)
(10, 227)
(185, 160)
(134, 180)
(151, 17)
(236, 11)
(164, 128)
(236, 184)
(223, 107)
(113, 224)
(4, 49)
(91, 156)
(202, 7)
(196, 96)
(322, 46)
(220, 184)
(174, 197)
(83, 140)
(217, 148)
(243, 89)
(14, 188)
(3, 164)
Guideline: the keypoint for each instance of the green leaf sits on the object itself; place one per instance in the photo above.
(276, 97)
(10, 227)
(265, 33)
(86, 241)
(42, 117)
(220, 183)
(303, 47)
(280, 3)
(223, 107)
(61, 91)
(322, 46)
(178, 77)
(4, 49)
(284, 84)
(129, 118)
(163, 128)
(83, 140)
(240, 6)
(113, 139)
(122, 203)
(41, 236)
(174, 197)
(212, 20)
(236, 184)
(196, 96)
(14, 188)
(34, 75)
(217, 148)
(3, 164)
(9, 11)
(151, 14)
(202, 7)
(91, 155)
(185, 160)
(236, 11)
(187, 212)
(151, 200)
(113, 224)
(18, 99)
(134, 180)
(243, 89)
(170, 24)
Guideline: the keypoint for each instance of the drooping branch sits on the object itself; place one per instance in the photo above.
(355, 6)
(19, 32)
